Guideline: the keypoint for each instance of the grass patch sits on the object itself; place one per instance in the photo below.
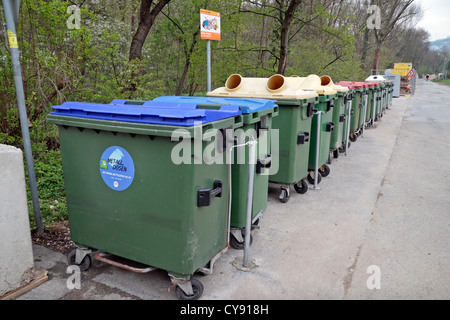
(443, 81)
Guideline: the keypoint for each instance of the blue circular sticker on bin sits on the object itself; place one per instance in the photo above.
(117, 168)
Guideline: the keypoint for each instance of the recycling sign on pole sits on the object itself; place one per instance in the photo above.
(209, 30)
(209, 25)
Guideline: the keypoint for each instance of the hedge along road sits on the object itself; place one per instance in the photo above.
(377, 229)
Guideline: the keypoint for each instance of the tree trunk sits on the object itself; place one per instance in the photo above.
(377, 57)
(187, 63)
(147, 17)
(365, 45)
(286, 26)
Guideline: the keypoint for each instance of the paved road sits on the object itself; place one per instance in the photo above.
(382, 214)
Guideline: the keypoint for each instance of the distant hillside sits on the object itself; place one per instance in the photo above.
(438, 44)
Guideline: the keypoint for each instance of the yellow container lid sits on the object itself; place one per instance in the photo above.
(326, 81)
(275, 87)
(313, 82)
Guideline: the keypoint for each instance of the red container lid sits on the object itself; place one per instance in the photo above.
(351, 84)
(364, 84)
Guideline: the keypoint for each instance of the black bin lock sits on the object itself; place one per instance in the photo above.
(310, 109)
(302, 138)
(348, 98)
(263, 164)
(330, 104)
(261, 126)
(342, 118)
(204, 195)
(330, 126)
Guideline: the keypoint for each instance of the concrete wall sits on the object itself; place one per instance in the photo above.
(16, 254)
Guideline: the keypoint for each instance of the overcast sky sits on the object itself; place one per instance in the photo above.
(436, 19)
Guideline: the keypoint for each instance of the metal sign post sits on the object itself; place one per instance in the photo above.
(209, 30)
(366, 100)
(208, 65)
(349, 115)
(11, 16)
(316, 166)
(248, 217)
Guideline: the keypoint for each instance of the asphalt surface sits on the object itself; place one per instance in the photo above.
(378, 228)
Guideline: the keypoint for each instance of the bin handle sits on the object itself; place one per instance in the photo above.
(302, 138)
(330, 104)
(330, 127)
(204, 195)
(310, 109)
(261, 125)
(263, 163)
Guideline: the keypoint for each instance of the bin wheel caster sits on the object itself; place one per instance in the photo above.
(301, 186)
(238, 245)
(311, 178)
(85, 263)
(255, 225)
(197, 288)
(284, 195)
(324, 170)
(342, 148)
(336, 153)
(353, 137)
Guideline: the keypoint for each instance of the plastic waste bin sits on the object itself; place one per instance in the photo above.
(257, 124)
(292, 125)
(339, 113)
(381, 101)
(360, 103)
(373, 94)
(321, 128)
(389, 92)
(142, 185)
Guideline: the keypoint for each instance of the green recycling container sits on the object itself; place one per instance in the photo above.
(357, 113)
(143, 184)
(325, 105)
(389, 92)
(339, 113)
(365, 92)
(258, 115)
(377, 102)
(373, 94)
(382, 95)
(291, 128)
(357, 107)
(339, 116)
(382, 105)
(294, 128)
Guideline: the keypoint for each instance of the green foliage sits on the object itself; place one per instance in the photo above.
(92, 64)
(50, 184)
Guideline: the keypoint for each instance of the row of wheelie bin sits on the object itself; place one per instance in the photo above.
(169, 183)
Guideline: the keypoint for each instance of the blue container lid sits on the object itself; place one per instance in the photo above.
(178, 114)
(247, 105)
